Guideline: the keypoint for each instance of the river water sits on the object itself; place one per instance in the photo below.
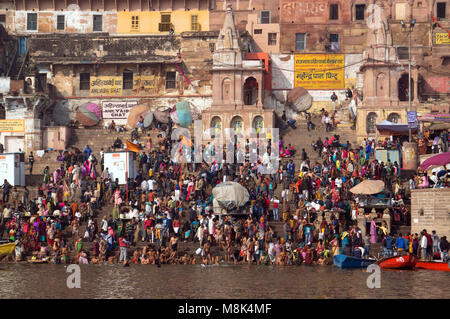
(224, 281)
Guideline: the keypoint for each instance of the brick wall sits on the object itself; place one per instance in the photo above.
(430, 210)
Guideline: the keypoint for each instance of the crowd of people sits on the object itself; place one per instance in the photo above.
(295, 215)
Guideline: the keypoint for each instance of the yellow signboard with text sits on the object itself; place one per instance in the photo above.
(106, 85)
(113, 85)
(320, 71)
(441, 38)
(12, 125)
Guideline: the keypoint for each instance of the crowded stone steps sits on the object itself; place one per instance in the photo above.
(96, 138)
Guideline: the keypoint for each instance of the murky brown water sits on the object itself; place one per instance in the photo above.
(224, 281)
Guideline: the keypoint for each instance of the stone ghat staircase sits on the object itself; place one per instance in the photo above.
(302, 138)
(96, 138)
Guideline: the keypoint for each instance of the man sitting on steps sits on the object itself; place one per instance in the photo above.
(117, 143)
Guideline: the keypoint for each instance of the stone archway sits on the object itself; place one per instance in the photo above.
(371, 122)
(394, 118)
(258, 123)
(250, 91)
(237, 125)
(216, 126)
(403, 87)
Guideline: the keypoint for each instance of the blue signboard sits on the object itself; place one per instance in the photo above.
(412, 119)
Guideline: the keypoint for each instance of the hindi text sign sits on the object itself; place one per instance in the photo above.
(113, 110)
(320, 71)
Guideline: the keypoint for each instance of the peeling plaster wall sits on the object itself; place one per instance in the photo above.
(75, 21)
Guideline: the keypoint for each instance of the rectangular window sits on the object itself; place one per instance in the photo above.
(334, 12)
(127, 80)
(3, 20)
(403, 53)
(265, 17)
(258, 31)
(195, 26)
(165, 24)
(359, 11)
(134, 23)
(334, 41)
(400, 11)
(300, 41)
(171, 82)
(60, 22)
(85, 81)
(98, 22)
(441, 6)
(272, 39)
(31, 21)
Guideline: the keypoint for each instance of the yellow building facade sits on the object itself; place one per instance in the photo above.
(155, 22)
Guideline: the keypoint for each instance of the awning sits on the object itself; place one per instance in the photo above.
(438, 126)
(435, 117)
(393, 127)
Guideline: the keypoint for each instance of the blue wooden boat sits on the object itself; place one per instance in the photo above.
(344, 261)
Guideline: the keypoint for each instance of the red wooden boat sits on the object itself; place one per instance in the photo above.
(433, 265)
(398, 262)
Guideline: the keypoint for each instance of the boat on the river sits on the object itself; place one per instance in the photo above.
(6, 248)
(344, 261)
(408, 261)
(37, 261)
(433, 265)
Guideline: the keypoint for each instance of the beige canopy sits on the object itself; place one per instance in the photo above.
(135, 112)
(230, 195)
(368, 187)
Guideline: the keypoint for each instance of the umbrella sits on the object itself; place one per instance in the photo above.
(368, 187)
(89, 114)
(441, 159)
(182, 114)
(135, 112)
(62, 113)
(161, 116)
(299, 99)
(230, 195)
(148, 119)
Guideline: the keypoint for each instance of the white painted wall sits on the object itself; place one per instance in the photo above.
(79, 21)
(5, 84)
(283, 76)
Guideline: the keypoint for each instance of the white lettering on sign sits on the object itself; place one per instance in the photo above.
(116, 110)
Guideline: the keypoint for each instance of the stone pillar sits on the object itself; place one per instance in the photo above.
(33, 135)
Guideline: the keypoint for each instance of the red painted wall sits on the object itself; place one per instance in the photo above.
(436, 85)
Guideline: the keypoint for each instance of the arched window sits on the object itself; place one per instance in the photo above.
(371, 122)
(394, 118)
(216, 125)
(250, 91)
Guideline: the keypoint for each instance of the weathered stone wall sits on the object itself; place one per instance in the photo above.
(430, 210)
